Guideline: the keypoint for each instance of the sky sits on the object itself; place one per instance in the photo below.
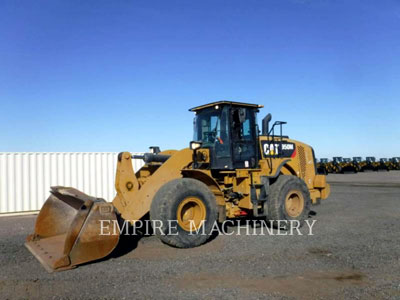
(121, 75)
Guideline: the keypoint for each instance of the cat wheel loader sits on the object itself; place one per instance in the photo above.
(383, 165)
(324, 167)
(231, 170)
(394, 163)
(369, 164)
(357, 161)
(336, 164)
(348, 166)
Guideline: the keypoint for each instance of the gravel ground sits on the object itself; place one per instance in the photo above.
(354, 253)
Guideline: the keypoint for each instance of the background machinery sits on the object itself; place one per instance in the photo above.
(383, 165)
(231, 170)
(357, 161)
(323, 166)
(369, 164)
(394, 163)
(348, 166)
(336, 164)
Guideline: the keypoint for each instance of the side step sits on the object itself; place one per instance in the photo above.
(262, 200)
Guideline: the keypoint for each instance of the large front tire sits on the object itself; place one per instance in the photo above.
(186, 209)
(289, 201)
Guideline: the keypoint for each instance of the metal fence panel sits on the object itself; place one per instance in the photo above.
(25, 178)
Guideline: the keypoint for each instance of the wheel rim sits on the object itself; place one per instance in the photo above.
(294, 203)
(190, 213)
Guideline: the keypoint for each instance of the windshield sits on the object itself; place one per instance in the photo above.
(357, 159)
(346, 159)
(211, 127)
(324, 160)
(338, 159)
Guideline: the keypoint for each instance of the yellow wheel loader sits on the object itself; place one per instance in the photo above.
(394, 163)
(231, 170)
(348, 166)
(357, 161)
(324, 167)
(369, 164)
(383, 165)
(336, 164)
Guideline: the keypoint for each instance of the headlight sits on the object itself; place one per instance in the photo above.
(195, 145)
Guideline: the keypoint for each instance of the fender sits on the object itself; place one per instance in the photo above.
(278, 170)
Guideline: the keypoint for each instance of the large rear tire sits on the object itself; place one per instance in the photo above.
(289, 200)
(187, 210)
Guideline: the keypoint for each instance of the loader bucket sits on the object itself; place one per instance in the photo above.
(68, 230)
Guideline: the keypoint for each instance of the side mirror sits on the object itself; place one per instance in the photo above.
(265, 124)
(195, 145)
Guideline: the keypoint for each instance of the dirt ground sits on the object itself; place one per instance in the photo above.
(354, 253)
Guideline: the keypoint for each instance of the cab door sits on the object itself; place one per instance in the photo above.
(243, 133)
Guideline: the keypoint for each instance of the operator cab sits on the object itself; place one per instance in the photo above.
(229, 131)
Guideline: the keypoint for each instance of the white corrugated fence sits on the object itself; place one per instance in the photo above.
(26, 178)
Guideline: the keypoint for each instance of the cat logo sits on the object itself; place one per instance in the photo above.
(275, 149)
(271, 149)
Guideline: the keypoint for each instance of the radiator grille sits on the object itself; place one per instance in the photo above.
(302, 161)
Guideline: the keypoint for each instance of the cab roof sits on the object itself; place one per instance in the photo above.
(225, 102)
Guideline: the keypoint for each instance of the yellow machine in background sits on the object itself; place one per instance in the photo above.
(394, 163)
(324, 166)
(231, 170)
(383, 165)
(349, 166)
(369, 164)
